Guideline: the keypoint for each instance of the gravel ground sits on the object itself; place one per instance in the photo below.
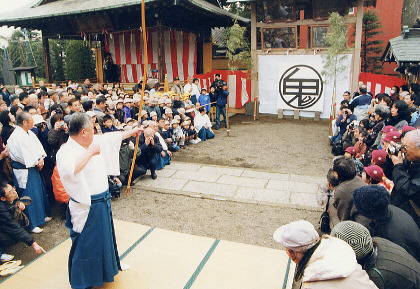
(286, 146)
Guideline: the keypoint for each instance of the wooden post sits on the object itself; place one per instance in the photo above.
(161, 58)
(357, 46)
(227, 119)
(143, 86)
(47, 59)
(99, 65)
(166, 84)
(254, 69)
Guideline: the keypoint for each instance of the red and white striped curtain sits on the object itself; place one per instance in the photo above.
(180, 52)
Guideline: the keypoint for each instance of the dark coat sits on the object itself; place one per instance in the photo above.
(148, 151)
(6, 131)
(398, 268)
(11, 232)
(399, 228)
(406, 178)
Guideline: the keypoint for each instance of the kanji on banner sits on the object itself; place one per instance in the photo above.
(378, 83)
(239, 85)
(180, 53)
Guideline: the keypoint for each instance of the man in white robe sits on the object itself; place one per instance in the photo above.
(84, 163)
(27, 159)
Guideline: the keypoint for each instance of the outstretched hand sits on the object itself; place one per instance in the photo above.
(94, 150)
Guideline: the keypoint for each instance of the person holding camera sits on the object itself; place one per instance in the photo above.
(406, 175)
(342, 122)
(149, 145)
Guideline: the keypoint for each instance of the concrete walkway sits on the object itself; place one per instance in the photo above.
(235, 184)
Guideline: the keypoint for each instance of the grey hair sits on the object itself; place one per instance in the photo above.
(79, 121)
(21, 117)
(413, 135)
(382, 110)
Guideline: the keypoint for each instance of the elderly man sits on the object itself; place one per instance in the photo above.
(177, 87)
(321, 263)
(202, 125)
(387, 264)
(84, 163)
(150, 146)
(406, 176)
(27, 159)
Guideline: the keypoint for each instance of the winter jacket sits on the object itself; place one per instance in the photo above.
(11, 232)
(399, 228)
(406, 178)
(398, 268)
(333, 265)
(343, 208)
(222, 97)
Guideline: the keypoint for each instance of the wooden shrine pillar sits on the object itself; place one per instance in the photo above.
(357, 47)
(161, 55)
(99, 59)
(254, 71)
(47, 59)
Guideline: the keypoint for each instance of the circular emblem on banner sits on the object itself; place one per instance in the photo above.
(301, 86)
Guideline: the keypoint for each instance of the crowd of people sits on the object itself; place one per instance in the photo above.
(370, 229)
(36, 123)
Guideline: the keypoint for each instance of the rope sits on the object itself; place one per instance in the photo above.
(201, 265)
(128, 251)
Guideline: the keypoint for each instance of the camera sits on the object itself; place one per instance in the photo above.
(351, 126)
(394, 149)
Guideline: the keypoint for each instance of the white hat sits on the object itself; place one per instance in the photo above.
(91, 113)
(127, 100)
(168, 110)
(167, 122)
(143, 112)
(296, 235)
(38, 118)
(181, 110)
(177, 117)
(136, 99)
(161, 101)
(168, 101)
(153, 113)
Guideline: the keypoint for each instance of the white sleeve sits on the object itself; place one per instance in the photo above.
(110, 144)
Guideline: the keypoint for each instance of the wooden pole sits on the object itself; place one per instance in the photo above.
(166, 84)
(227, 117)
(47, 59)
(357, 46)
(143, 27)
(255, 107)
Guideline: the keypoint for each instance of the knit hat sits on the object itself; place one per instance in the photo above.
(296, 235)
(375, 172)
(351, 150)
(407, 128)
(388, 128)
(392, 136)
(371, 201)
(356, 235)
(379, 157)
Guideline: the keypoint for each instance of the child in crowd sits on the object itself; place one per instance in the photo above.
(178, 135)
(374, 175)
(204, 99)
(119, 112)
(350, 153)
(108, 125)
(190, 133)
(153, 116)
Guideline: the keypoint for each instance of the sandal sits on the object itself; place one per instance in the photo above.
(10, 264)
(10, 271)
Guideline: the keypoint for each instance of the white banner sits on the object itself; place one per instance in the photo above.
(291, 82)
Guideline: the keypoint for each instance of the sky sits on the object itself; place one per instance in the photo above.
(8, 5)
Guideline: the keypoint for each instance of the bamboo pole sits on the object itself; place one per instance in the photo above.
(143, 25)
(255, 107)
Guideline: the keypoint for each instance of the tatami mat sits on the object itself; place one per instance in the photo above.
(162, 259)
